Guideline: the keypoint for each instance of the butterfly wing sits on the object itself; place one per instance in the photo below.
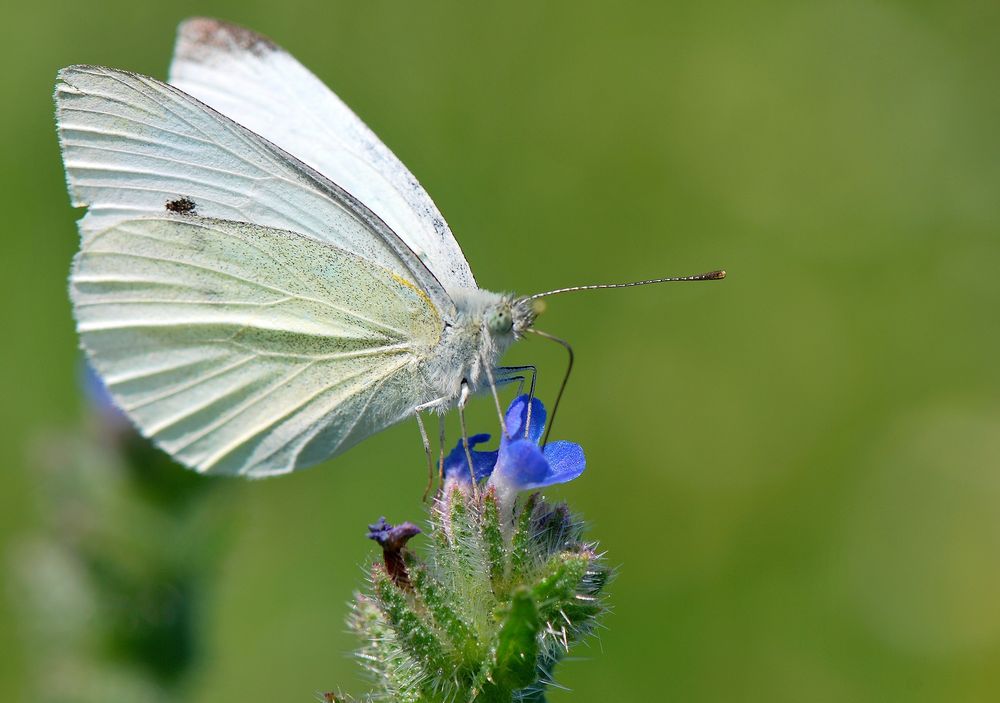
(134, 146)
(246, 77)
(248, 350)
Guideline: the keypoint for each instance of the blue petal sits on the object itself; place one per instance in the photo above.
(99, 398)
(521, 465)
(516, 419)
(566, 461)
(456, 464)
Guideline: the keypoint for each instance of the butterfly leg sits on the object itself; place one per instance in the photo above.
(463, 400)
(503, 381)
(496, 398)
(427, 451)
(519, 375)
(427, 443)
(509, 374)
(441, 448)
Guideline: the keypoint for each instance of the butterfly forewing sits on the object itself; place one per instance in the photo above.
(245, 349)
(134, 146)
(246, 77)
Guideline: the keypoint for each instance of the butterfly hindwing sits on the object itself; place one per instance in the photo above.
(244, 349)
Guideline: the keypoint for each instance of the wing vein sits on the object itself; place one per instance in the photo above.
(197, 381)
(91, 252)
(238, 409)
(258, 429)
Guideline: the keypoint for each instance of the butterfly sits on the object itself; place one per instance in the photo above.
(261, 283)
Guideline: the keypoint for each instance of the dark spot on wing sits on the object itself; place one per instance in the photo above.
(205, 32)
(182, 206)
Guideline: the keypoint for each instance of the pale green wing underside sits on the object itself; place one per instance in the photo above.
(243, 349)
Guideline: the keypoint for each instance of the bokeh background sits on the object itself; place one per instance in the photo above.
(797, 470)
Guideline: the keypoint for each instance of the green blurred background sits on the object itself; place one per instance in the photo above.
(797, 470)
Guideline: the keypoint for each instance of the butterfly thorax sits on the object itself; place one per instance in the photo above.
(485, 325)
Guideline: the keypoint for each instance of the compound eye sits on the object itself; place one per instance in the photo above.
(499, 321)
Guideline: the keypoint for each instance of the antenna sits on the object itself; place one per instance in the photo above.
(710, 276)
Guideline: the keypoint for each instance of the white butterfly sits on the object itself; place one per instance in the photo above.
(252, 311)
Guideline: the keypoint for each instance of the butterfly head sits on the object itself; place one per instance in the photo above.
(512, 316)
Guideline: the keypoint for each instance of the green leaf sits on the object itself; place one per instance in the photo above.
(441, 602)
(420, 640)
(517, 644)
(521, 557)
(493, 539)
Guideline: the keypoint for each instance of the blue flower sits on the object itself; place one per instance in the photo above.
(519, 464)
(100, 401)
(456, 465)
